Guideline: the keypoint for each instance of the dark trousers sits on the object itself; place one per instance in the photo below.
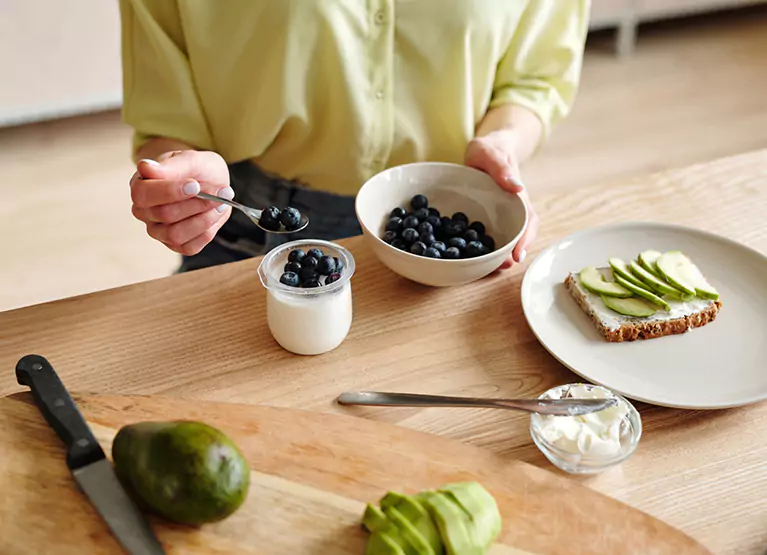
(331, 217)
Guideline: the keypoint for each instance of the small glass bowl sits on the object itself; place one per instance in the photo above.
(576, 463)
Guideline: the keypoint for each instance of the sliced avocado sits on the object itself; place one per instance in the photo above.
(679, 270)
(416, 543)
(417, 515)
(593, 280)
(651, 281)
(481, 508)
(643, 292)
(647, 261)
(630, 307)
(380, 543)
(374, 519)
(620, 268)
(453, 523)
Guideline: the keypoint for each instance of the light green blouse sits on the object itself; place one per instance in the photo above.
(333, 91)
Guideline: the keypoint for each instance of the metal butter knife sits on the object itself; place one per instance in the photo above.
(86, 459)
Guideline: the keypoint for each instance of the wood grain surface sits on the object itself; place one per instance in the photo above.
(311, 476)
(204, 336)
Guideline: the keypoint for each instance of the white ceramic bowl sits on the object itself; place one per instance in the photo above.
(450, 188)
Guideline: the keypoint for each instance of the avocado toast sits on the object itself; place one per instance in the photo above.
(656, 295)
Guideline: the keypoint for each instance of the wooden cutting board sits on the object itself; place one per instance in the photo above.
(311, 476)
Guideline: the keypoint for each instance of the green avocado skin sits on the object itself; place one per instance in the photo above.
(184, 471)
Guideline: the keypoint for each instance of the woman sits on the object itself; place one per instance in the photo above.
(299, 102)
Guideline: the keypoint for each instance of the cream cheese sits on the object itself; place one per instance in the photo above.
(595, 435)
(612, 320)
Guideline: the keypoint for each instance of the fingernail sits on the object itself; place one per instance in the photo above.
(191, 188)
(220, 208)
(522, 256)
(514, 181)
(226, 192)
(150, 162)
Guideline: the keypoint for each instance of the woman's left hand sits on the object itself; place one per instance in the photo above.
(494, 154)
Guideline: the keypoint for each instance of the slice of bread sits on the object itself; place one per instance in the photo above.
(615, 327)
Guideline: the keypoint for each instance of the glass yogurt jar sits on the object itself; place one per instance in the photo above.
(308, 321)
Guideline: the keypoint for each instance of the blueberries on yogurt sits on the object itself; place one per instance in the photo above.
(312, 269)
(422, 231)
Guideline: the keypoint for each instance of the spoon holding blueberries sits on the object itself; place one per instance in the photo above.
(272, 219)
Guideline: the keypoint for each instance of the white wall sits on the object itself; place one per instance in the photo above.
(58, 57)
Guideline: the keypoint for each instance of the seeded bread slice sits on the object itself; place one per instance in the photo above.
(620, 328)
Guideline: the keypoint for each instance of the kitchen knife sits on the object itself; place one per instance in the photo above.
(86, 459)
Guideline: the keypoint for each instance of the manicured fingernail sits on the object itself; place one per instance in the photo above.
(226, 192)
(522, 256)
(191, 188)
(511, 180)
(150, 162)
(220, 208)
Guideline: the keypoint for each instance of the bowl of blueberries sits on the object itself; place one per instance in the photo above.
(439, 224)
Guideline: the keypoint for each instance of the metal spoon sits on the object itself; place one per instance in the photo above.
(253, 213)
(554, 407)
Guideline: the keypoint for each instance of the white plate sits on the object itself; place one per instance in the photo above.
(722, 364)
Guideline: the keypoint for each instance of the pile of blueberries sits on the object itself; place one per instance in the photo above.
(273, 217)
(306, 269)
(423, 231)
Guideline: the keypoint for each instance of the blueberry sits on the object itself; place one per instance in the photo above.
(411, 222)
(410, 236)
(473, 249)
(389, 236)
(461, 217)
(394, 224)
(418, 248)
(339, 265)
(421, 214)
(326, 265)
(296, 255)
(457, 242)
(453, 253)
(418, 202)
(427, 239)
(399, 244)
(311, 283)
(455, 229)
(439, 245)
(432, 253)
(434, 212)
(426, 227)
(398, 212)
(435, 222)
(471, 235)
(445, 221)
(270, 219)
(290, 279)
(484, 250)
(293, 267)
(315, 253)
(332, 278)
(310, 262)
(489, 242)
(307, 274)
(479, 227)
(290, 218)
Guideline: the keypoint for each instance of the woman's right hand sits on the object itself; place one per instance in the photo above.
(163, 194)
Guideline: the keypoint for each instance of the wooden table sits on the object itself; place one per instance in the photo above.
(203, 335)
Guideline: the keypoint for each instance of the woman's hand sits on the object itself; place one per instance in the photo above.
(494, 154)
(163, 194)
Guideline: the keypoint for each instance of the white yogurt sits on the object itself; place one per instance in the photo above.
(308, 321)
(595, 434)
(310, 325)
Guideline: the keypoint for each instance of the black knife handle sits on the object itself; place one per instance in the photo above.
(59, 410)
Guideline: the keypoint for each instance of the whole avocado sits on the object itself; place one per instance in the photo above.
(187, 472)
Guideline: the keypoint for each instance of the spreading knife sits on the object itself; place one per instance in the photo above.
(85, 458)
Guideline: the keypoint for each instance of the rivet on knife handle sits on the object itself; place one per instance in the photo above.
(59, 410)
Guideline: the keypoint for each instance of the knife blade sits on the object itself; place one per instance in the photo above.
(85, 458)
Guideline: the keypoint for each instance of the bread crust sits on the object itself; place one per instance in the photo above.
(642, 329)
